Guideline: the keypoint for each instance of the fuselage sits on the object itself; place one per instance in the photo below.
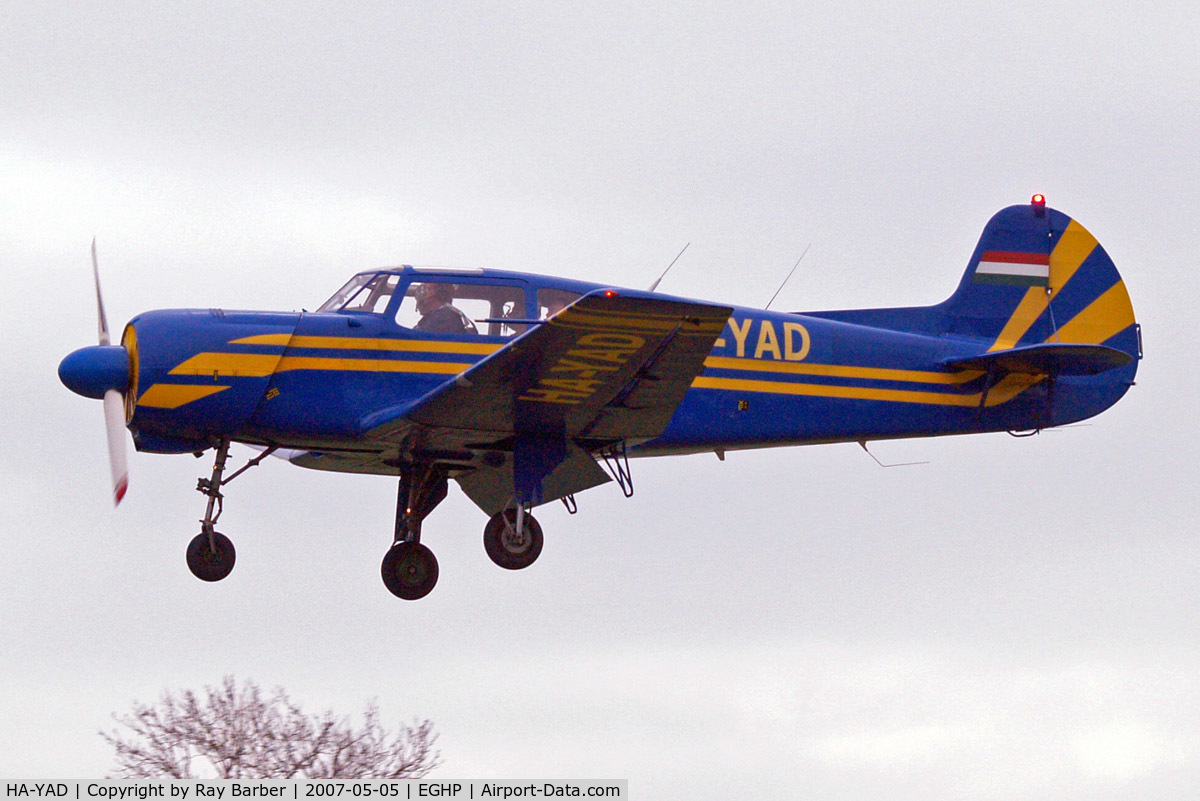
(316, 380)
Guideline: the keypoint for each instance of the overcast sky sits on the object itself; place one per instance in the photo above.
(1018, 619)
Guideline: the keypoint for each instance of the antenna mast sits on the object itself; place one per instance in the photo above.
(654, 286)
(789, 277)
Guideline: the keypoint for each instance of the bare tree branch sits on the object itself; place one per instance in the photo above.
(234, 732)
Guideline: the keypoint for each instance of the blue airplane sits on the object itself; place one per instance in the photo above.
(527, 389)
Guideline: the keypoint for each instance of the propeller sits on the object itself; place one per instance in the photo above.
(103, 372)
(114, 403)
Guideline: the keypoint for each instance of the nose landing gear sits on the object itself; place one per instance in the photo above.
(210, 554)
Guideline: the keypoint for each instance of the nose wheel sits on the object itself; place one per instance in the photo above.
(210, 558)
(513, 539)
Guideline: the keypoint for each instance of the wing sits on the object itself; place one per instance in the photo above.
(608, 368)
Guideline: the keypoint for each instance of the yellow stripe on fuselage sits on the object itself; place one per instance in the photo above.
(172, 396)
(1006, 389)
(369, 365)
(363, 343)
(256, 365)
(842, 370)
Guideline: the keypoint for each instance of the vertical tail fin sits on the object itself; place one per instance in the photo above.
(1037, 276)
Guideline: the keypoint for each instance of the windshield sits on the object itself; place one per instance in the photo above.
(365, 292)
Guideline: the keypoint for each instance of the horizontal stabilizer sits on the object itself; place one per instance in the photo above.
(1052, 358)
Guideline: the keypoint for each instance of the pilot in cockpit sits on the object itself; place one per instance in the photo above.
(439, 315)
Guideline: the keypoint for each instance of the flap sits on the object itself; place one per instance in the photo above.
(1051, 358)
(492, 488)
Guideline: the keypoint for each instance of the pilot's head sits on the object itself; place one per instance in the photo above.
(431, 296)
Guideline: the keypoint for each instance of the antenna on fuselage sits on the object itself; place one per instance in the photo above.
(654, 286)
(789, 277)
(862, 443)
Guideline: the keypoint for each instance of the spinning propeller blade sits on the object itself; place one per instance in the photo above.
(114, 424)
(114, 405)
(104, 338)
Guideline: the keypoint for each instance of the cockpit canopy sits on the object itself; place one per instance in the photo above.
(365, 292)
(485, 301)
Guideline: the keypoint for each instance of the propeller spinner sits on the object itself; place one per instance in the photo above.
(102, 371)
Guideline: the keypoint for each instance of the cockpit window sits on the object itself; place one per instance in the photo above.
(437, 304)
(552, 301)
(366, 292)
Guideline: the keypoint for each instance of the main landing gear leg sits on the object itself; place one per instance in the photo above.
(210, 555)
(409, 569)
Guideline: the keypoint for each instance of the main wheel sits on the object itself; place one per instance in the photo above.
(409, 570)
(210, 563)
(508, 548)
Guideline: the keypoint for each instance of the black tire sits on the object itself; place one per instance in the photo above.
(409, 570)
(208, 564)
(505, 547)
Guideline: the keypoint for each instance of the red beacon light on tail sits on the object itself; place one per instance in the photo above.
(1039, 204)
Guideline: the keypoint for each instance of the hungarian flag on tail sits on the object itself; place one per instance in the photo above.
(1013, 269)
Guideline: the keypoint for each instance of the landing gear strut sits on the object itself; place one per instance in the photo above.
(210, 555)
(409, 569)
